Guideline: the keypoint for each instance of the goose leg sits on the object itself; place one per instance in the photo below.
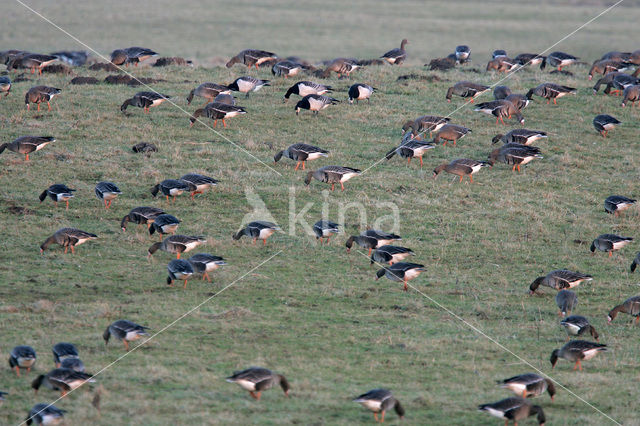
(420, 162)
(26, 158)
(185, 284)
(17, 371)
(342, 186)
(254, 240)
(38, 106)
(555, 101)
(264, 242)
(67, 204)
(224, 124)
(382, 416)
(206, 276)
(66, 249)
(73, 251)
(126, 345)
(48, 106)
(375, 416)
(303, 165)
(297, 165)
(405, 289)
(332, 185)
(177, 255)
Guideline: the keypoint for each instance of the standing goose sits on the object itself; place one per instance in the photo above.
(332, 175)
(577, 351)
(609, 242)
(107, 192)
(170, 187)
(301, 152)
(304, 88)
(566, 300)
(141, 216)
(62, 351)
(528, 385)
(62, 379)
(315, 103)
(209, 91)
(68, 237)
(58, 192)
(514, 409)
(390, 254)
(559, 279)
(248, 84)
(359, 92)
(340, 66)
(5, 85)
(257, 379)
(325, 229)
(177, 244)
(27, 144)
(631, 94)
(461, 167)
(145, 100)
(410, 149)
(529, 59)
(521, 136)
(203, 263)
(286, 69)
(450, 133)
(179, 269)
(630, 306)
(465, 89)
(258, 230)
(501, 64)
(164, 224)
(559, 59)
(576, 325)
(22, 357)
(500, 109)
(614, 204)
(251, 57)
(604, 122)
(35, 61)
(396, 56)
(550, 91)
(515, 154)
(125, 331)
(380, 401)
(606, 66)
(401, 272)
(45, 415)
(217, 111)
(199, 183)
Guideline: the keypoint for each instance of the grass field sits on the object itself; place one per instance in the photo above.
(313, 312)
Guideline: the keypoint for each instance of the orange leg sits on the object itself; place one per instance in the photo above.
(637, 321)
(501, 120)
(342, 186)
(518, 168)
(126, 345)
(496, 121)
(48, 106)
(109, 205)
(610, 253)
(17, 370)
(173, 200)
(224, 124)
(205, 275)
(67, 204)
(73, 251)
(185, 284)
(66, 249)
(256, 64)
(106, 206)
(253, 395)
(405, 289)
(514, 168)
(264, 242)
(408, 161)
(63, 393)
(548, 100)
(254, 240)
(215, 122)
(578, 365)
(460, 178)
(38, 106)
(303, 165)
(297, 165)
(554, 101)
(382, 416)
(375, 416)
(471, 178)
(26, 158)
(332, 185)
(559, 68)
(421, 162)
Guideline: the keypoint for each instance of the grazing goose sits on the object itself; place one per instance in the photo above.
(501, 92)
(301, 152)
(461, 167)
(620, 82)
(550, 91)
(359, 92)
(141, 216)
(217, 111)
(248, 84)
(576, 325)
(518, 100)
(125, 331)
(604, 122)
(209, 91)
(119, 57)
(528, 385)
(257, 379)
(371, 239)
(606, 66)
(62, 379)
(164, 224)
(35, 61)
(304, 88)
(107, 192)
(177, 244)
(631, 94)
(614, 204)
(315, 103)
(137, 54)
(340, 66)
(179, 269)
(410, 149)
(450, 133)
(27, 144)
(514, 409)
(390, 254)
(144, 100)
(258, 230)
(332, 175)
(529, 59)
(425, 123)
(5, 85)
(566, 300)
(39, 94)
(516, 154)
(325, 229)
(607, 80)
(67, 237)
(286, 69)
(58, 192)
(396, 56)
(170, 187)
(380, 401)
(609, 242)
(203, 263)
(630, 306)
(559, 59)
(465, 89)
(616, 56)
(500, 109)
(62, 351)
(463, 53)
(45, 415)
(559, 279)
(74, 364)
(251, 57)
(501, 64)
(577, 351)
(521, 136)
(635, 263)
(401, 272)
(198, 183)
(22, 357)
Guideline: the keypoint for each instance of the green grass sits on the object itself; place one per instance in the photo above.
(315, 313)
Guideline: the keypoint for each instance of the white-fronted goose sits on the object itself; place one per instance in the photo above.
(198, 183)
(550, 91)
(251, 57)
(125, 331)
(179, 269)
(164, 224)
(5, 85)
(62, 379)
(518, 100)
(248, 84)
(304, 88)
(577, 351)
(616, 56)
(45, 415)
(501, 64)
(410, 149)
(605, 67)
(514, 409)
(620, 82)
(390, 254)
(58, 192)
(107, 192)
(22, 357)
(606, 80)
(461, 167)
(603, 123)
(332, 175)
(301, 152)
(217, 111)
(529, 59)
(360, 91)
(614, 204)
(209, 91)
(203, 263)
(514, 154)
(325, 229)
(465, 89)
(566, 300)
(37, 61)
(27, 144)
(138, 54)
(144, 100)
(396, 56)
(340, 66)
(257, 230)
(119, 57)
(141, 216)
(559, 279)
(609, 243)
(529, 385)
(401, 272)
(521, 136)
(39, 94)
(170, 187)
(257, 379)
(630, 306)
(631, 94)
(450, 133)
(425, 123)
(62, 351)
(371, 239)
(177, 244)
(501, 109)
(286, 69)
(315, 103)
(576, 325)
(380, 401)
(559, 59)
(68, 237)
(501, 92)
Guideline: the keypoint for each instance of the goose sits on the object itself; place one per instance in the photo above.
(635, 263)
(258, 379)
(559, 279)
(62, 351)
(58, 192)
(5, 85)
(179, 269)
(74, 364)
(170, 187)
(550, 91)
(576, 325)
(450, 133)
(209, 91)
(500, 109)
(515, 409)
(605, 66)
(614, 204)
(39, 94)
(119, 57)
(529, 59)
(301, 152)
(325, 229)
(603, 123)
(390, 254)
(125, 331)
(465, 89)
(27, 144)
(286, 69)
(258, 230)
(203, 263)
(62, 379)
(332, 175)
(67, 237)
(251, 57)
(566, 300)
(36, 61)
(304, 88)
(45, 415)
(463, 53)
(607, 80)
(144, 147)
(411, 149)
(340, 66)
(398, 55)
(529, 385)
(380, 401)
(518, 100)
(198, 183)
(248, 84)
(141, 216)
(461, 167)
(164, 224)
(521, 136)
(616, 56)
(516, 154)
(137, 54)
(631, 94)
(360, 91)
(501, 64)
(559, 59)
(145, 100)
(224, 98)
(177, 244)
(501, 92)
(620, 82)
(22, 357)
(401, 272)
(107, 192)
(609, 242)
(315, 103)
(577, 351)
(630, 306)
(217, 111)
(425, 123)
(371, 239)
